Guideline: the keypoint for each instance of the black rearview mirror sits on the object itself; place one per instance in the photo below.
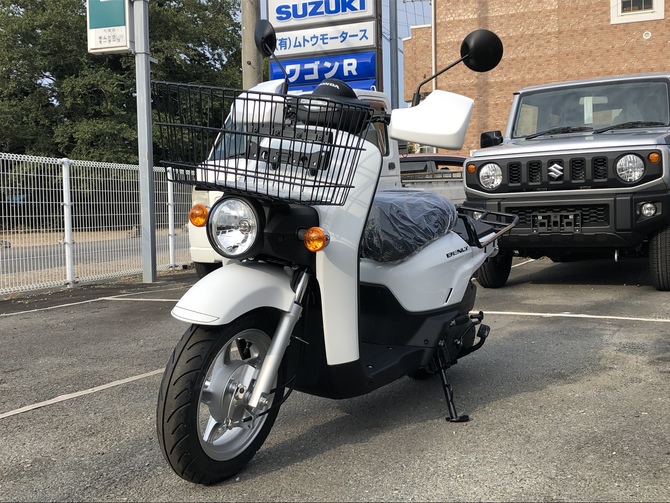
(266, 43)
(482, 50)
(265, 38)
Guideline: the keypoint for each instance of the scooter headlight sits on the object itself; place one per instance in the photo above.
(490, 176)
(235, 228)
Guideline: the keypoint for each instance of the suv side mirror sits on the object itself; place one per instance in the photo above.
(490, 139)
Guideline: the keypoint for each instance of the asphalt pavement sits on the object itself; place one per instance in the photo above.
(569, 400)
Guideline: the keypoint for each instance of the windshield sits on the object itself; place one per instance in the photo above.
(592, 107)
(229, 146)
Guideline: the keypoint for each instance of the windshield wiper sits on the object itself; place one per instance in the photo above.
(559, 130)
(629, 125)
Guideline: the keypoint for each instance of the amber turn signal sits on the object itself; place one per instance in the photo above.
(198, 215)
(316, 239)
(654, 157)
(471, 168)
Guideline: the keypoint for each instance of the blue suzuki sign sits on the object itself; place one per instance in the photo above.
(317, 8)
(360, 66)
(291, 13)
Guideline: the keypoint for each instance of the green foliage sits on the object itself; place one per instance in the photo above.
(58, 100)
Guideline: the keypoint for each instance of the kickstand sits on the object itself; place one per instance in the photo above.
(448, 392)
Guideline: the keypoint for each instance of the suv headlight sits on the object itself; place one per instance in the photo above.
(235, 227)
(490, 176)
(630, 168)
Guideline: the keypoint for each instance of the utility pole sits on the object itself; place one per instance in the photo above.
(393, 51)
(144, 140)
(252, 61)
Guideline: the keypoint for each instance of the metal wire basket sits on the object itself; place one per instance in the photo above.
(299, 149)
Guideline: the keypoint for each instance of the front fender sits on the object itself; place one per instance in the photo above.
(234, 289)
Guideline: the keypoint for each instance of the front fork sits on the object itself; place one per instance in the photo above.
(280, 341)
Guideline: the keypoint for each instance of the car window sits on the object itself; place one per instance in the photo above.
(449, 165)
(592, 106)
(413, 166)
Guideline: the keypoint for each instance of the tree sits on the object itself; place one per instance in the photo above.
(58, 100)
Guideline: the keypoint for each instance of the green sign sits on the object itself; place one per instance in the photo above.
(106, 13)
(109, 26)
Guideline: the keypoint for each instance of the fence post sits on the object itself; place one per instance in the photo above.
(68, 242)
(171, 230)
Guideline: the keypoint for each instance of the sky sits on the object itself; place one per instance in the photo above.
(409, 14)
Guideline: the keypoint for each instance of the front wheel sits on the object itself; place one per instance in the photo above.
(205, 430)
(659, 259)
(494, 272)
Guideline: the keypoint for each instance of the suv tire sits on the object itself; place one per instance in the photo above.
(202, 269)
(494, 272)
(659, 259)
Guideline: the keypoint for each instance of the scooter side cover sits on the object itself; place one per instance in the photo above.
(232, 290)
(435, 277)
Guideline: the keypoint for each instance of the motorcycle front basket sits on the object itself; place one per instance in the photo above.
(297, 149)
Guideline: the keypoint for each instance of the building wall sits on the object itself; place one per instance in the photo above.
(544, 41)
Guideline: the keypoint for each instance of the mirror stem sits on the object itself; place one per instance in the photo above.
(416, 99)
(284, 88)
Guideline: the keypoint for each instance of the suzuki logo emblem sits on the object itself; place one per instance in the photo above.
(555, 171)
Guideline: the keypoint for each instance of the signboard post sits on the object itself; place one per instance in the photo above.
(110, 26)
(111, 29)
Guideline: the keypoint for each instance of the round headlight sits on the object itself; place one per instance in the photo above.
(234, 228)
(490, 176)
(630, 168)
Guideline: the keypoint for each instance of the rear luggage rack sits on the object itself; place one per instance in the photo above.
(483, 227)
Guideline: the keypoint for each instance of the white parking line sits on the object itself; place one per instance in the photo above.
(70, 396)
(51, 307)
(124, 296)
(523, 263)
(143, 300)
(120, 382)
(578, 315)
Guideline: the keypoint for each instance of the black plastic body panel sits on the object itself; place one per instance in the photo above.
(393, 343)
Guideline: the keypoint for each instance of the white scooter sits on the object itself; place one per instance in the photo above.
(335, 288)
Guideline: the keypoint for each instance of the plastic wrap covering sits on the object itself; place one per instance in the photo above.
(401, 222)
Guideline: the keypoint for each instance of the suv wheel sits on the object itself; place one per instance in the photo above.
(202, 269)
(659, 259)
(494, 272)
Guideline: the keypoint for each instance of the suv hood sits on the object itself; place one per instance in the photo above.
(579, 141)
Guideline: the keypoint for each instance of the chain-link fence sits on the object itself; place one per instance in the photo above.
(65, 221)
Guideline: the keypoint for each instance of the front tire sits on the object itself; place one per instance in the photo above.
(494, 272)
(659, 259)
(204, 429)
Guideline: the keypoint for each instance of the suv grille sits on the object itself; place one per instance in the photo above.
(514, 172)
(578, 169)
(567, 173)
(600, 168)
(534, 172)
(556, 171)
